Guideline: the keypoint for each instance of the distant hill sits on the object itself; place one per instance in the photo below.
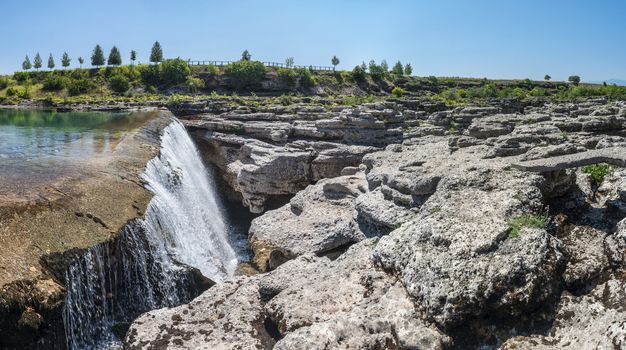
(621, 82)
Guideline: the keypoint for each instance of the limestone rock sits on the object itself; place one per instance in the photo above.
(316, 220)
(593, 321)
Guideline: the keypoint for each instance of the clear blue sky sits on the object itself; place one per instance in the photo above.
(477, 38)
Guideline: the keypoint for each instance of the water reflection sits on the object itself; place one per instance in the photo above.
(44, 144)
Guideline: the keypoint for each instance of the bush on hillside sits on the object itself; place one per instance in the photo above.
(287, 75)
(306, 78)
(119, 84)
(55, 83)
(212, 70)
(397, 91)
(174, 72)
(245, 74)
(358, 73)
(4, 82)
(80, 86)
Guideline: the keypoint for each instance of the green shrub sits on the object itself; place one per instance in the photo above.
(212, 70)
(150, 74)
(174, 72)
(195, 84)
(285, 100)
(13, 91)
(358, 73)
(55, 83)
(306, 78)
(397, 91)
(80, 86)
(4, 82)
(21, 76)
(245, 74)
(526, 220)
(597, 171)
(119, 84)
(287, 75)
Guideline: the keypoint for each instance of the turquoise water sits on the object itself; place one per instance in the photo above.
(29, 135)
(36, 145)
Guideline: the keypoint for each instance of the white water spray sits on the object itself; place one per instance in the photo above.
(185, 210)
(114, 282)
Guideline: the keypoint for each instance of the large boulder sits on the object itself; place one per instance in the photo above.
(317, 220)
(306, 303)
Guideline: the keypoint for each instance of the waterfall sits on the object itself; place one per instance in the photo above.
(151, 263)
(185, 210)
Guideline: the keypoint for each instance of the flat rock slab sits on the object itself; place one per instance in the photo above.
(615, 156)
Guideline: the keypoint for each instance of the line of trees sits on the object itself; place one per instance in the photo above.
(97, 58)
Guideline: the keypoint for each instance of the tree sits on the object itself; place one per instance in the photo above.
(133, 56)
(363, 66)
(245, 56)
(384, 66)
(26, 64)
(97, 57)
(65, 60)
(334, 61)
(289, 62)
(115, 58)
(81, 61)
(398, 68)
(547, 77)
(156, 55)
(574, 79)
(408, 70)
(50, 62)
(37, 61)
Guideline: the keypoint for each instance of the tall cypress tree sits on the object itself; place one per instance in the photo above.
(50, 62)
(65, 60)
(133, 56)
(157, 53)
(97, 57)
(115, 58)
(398, 69)
(26, 64)
(81, 60)
(37, 62)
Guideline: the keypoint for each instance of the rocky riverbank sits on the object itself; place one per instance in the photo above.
(406, 224)
(47, 225)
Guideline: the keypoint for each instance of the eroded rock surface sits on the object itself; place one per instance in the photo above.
(307, 303)
(437, 191)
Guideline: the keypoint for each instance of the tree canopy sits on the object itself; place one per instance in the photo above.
(156, 55)
(115, 58)
(245, 56)
(50, 62)
(65, 60)
(37, 62)
(334, 61)
(26, 64)
(398, 69)
(97, 57)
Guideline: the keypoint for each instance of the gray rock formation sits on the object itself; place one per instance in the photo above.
(593, 321)
(307, 303)
(445, 196)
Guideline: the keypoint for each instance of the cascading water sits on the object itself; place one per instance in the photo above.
(185, 210)
(148, 265)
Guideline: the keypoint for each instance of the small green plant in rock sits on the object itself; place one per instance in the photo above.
(526, 220)
(397, 91)
(597, 171)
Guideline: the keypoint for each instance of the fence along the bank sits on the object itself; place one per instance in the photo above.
(266, 64)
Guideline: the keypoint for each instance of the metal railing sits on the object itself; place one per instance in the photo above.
(266, 64)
